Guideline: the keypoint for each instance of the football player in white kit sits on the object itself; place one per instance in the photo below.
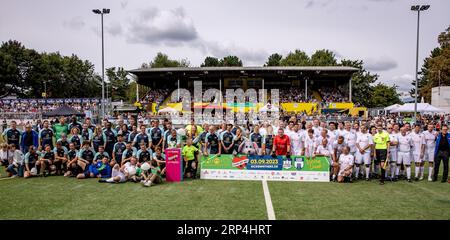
(417, 150)
(296, 140)
(309, 144)
(346, 161)
(364, 144)
(324, 135)
(405, 144)
(325, 149)
(393, 150)
(350, 138)
(317, 128)
(430, 143)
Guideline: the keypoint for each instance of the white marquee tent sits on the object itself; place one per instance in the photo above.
(421, 107)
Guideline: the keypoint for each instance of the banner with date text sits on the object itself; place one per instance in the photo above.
(253, 167)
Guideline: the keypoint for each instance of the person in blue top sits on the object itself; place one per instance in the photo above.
(30, 160)
(442, 153)
(128, 153)
(75, 138)
(212, 142)
(156, 135)
(101, 169)
(46, 135)
(227, 140)
(110, 136)
(141, 137)
(100, 154)
(28, 138)
(98, 138)
(12, 135)
(132, 134)
(118, 149)
(86, 133)
(257, 138)
(85, 159)
(72, 164)
(144, 154)
(60, 158)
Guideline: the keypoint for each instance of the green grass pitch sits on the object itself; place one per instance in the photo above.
(68, 198)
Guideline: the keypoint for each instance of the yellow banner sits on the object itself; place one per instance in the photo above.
(340, 105)
(299, 107)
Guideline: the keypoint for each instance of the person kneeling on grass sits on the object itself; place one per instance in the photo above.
(85, 160)
(73, 169)
(188, 153)
(45, 163)
(31, 158)
(158, 156)
(152, 173)
(346, 162)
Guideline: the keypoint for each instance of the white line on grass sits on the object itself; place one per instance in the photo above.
(269, 206)
(6, 178)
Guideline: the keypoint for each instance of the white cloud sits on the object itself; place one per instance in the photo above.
(168, 27)
(75, 23)
(380, 64)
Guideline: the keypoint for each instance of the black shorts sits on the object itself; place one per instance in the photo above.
(381, 155)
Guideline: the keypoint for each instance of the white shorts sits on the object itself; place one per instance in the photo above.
(416, 157)
(118, 173)
(363, 158)
(393, 155)
(341, 172)
(404, 157)
(429, 155)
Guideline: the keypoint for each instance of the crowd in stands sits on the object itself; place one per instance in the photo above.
(156, 96)
(295, 95)
(14, 106)
(330, 95)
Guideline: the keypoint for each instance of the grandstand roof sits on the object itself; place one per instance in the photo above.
(146, 74)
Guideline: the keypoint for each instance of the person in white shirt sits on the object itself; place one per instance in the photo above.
(430, 143)
(309, 144)
(338, 146)
(326, 150)
(340, 131)
(346, 162)
(296, 140)
(317, 128)
(364, 144)
(417, 150)
(393, 150)
(405, 144)
(350, 138)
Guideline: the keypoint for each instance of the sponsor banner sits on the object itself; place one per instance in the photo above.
(173, 165)
(280, 168)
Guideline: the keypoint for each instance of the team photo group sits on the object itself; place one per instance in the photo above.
(133, 149)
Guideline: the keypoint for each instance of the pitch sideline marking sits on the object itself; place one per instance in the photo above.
(269, 206)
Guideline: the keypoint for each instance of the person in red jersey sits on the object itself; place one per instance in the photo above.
(281, 144)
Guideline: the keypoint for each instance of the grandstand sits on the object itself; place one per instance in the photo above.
(309, 89)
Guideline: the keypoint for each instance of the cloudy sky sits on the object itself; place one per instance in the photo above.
(381, 32)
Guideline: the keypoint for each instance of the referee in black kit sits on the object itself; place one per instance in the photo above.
(442, 152)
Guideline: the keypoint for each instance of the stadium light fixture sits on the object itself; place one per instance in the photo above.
(105, 11)
(418, 9)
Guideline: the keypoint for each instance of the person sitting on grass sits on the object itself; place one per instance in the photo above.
(154, 175)
(122, 174)
(15, 168)
(158, 156)
(72, 164)
(31, 158)
(131, 170)
(60, 158)
(45, 163)
(85, 159)
(188, 153)
(346, 162)
(102, 169)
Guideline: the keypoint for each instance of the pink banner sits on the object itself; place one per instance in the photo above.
(173, 165)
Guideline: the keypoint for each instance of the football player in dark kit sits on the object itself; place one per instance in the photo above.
(12, 135)
(46, 161)
(156, 134)
(73, 169)
(60, 158)
(144, 154)
(140, 138)
(110, 136)
(118, 149)
(31, 158)
(212, 143)
(227, 140)
(85, 157)
(46, 135)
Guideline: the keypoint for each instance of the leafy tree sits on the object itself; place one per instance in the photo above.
(296, 58)
(383, 95)
(435, 69)
(231, 61)
(323, 58)
(274, 60)
(119, 83)
(210, 62)
(361, 83)
(161, 60)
